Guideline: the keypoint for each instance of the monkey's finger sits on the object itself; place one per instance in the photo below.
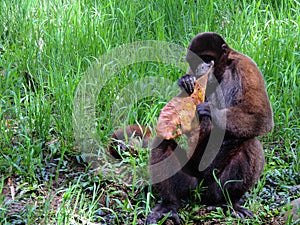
(187, 83)
(191, 84)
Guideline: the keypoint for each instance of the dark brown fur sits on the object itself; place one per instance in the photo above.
(240, 158)
(119, 138)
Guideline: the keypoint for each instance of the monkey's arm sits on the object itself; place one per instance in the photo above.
(249, 114)
(250, 117)
(242, 123)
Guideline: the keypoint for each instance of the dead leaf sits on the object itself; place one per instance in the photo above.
(179, 115)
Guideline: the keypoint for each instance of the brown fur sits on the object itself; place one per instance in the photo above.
(240, 157)
(118, 139)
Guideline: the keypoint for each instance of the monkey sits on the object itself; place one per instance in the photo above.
(118, 139)
(237, 106)
(248, 114)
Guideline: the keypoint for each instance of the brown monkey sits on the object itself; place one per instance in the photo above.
(237, 106)
(242, 112)
(118, 139)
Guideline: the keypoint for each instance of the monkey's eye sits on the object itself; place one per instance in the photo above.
(207, 58)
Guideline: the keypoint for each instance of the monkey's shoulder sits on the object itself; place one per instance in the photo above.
(246, 68)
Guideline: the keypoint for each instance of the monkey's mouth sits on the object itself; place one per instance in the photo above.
(203, 69)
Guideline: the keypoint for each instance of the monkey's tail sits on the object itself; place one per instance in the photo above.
(125, 140)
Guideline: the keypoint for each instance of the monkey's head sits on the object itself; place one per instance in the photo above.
(209, 47)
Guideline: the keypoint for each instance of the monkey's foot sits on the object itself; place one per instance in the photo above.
(160, 211)
(236, 211)
(241, 212)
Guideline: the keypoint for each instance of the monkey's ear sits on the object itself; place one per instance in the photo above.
(224, 48)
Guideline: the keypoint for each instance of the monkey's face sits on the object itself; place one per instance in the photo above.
(201, 69)
(208, 47)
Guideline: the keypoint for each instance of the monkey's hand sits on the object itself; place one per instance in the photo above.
(207, 111)
(204, 116)
(187, 83)
(203, 110)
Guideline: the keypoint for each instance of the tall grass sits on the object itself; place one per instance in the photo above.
(46, 47)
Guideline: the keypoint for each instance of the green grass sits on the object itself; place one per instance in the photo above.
(46, 48)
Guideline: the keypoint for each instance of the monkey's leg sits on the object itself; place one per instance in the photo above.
(235, 172)
(168, 180)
